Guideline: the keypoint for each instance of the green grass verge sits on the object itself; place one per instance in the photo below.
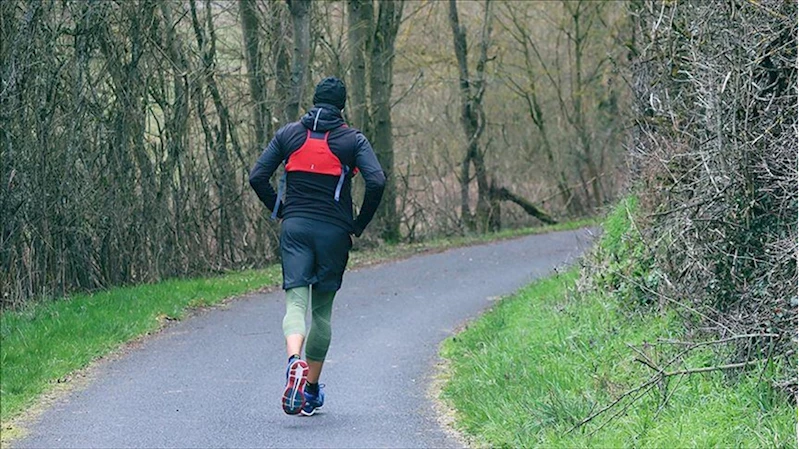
(525, 373)
(49, 340)
(542, 360)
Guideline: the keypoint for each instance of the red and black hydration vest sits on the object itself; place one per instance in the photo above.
(314, 156)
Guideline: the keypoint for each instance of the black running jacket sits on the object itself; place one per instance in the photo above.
(311, 195)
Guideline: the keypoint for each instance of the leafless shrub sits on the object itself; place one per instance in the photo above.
(127, 128)
(122, 154)
(715, 156)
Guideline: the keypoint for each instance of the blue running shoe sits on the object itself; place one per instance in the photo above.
(294, 394)
(313, 401)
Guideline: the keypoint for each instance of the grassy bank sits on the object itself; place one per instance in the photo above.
(48, 341)
(42, 344)
(541, 361)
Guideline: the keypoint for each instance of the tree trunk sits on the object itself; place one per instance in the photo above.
(459, 41)
(375, 37)
(251, 33)
(360, 16)
(537, 116)
(467, 220)
(230, 218)
(279, 30)
(177, 128)
(504, 194)
(381, 82)
(301, 21)
(579, 39)
(263, 124)
(483, 189)
(472, 119)
(495, 208)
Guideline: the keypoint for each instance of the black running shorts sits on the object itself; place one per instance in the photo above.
(313, 253)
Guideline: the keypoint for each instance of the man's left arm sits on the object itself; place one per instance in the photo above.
(375, 179)
(267, 163)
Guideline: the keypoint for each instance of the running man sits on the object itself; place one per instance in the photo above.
(321, 155)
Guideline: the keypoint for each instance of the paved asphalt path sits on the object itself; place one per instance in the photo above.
(215, 380)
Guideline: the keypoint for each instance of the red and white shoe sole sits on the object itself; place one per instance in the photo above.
(294, 396)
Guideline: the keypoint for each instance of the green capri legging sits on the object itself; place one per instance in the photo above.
(318, 340)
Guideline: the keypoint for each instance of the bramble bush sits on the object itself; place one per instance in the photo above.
(714, 157)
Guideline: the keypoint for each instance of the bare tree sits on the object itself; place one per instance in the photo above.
(218, 137)
(301, 21)
(374, 35)
(128, 127)
(251, 33)
(583, 16)
(381, 84)
(175, 139)
(531, 93)
(472, 117)
(360, 15)
(262, 113)
(570, 66)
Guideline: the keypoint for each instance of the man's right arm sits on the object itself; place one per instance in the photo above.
(375, 179)
(267, 163)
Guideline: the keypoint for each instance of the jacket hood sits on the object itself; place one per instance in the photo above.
(322, 117)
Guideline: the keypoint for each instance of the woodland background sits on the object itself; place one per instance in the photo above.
(129, 127)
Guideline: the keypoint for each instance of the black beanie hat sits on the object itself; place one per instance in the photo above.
(330, 90)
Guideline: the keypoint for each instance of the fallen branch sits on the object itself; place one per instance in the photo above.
(622, 409)
(504, 194)
(656, 378)
(715, 342)
(713, 368)
(588, 419)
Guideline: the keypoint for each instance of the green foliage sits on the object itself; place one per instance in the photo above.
(47, 341)
(625, 264)
(529, 370)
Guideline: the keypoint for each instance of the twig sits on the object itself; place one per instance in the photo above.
(674, 301)
(657, 377)
(714, 368)
(768, 360)
(622, 410)
(666, 399)
(419, 76)
(644, 358)
(713, 342)
(648, 383)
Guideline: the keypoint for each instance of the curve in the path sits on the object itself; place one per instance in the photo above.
(215, 380)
